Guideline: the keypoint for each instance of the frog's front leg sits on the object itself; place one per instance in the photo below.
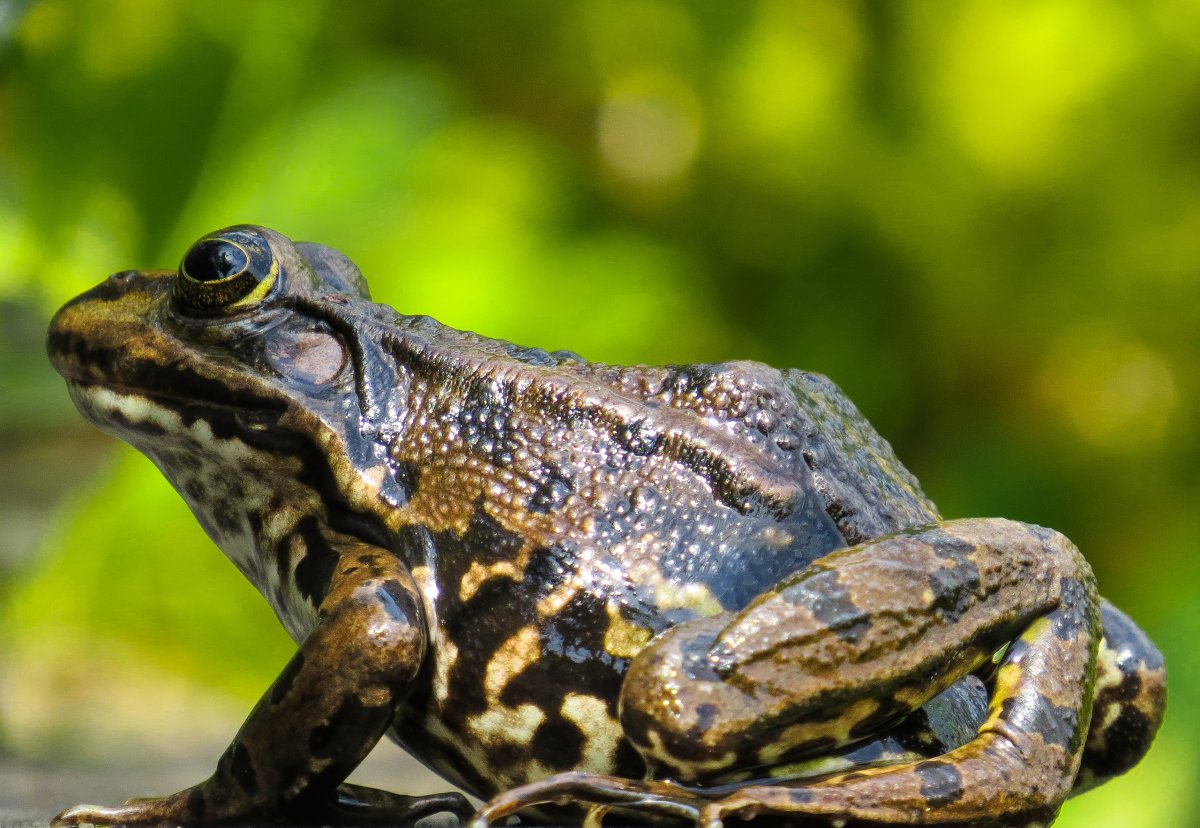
(861, 638)
(320, 718)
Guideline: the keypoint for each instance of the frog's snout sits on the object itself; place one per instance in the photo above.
(98, 319)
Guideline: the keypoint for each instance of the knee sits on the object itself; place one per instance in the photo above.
(677, 711)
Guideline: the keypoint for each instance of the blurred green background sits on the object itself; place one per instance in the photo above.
(981, 219)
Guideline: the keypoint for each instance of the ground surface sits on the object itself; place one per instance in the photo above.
(30, 794)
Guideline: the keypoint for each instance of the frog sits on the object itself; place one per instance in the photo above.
(689, 594)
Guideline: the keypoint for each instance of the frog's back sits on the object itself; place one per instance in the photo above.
(563, 513)
(801, 423)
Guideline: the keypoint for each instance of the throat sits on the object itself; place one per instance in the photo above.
(249, 495)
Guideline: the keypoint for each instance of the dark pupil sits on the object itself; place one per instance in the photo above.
(213, 260)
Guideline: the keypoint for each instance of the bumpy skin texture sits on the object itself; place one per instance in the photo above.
(551, 580)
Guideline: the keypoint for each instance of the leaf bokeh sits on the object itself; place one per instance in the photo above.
(981, 219)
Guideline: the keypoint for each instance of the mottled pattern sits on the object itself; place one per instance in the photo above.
(536, 571)
(1130, 697)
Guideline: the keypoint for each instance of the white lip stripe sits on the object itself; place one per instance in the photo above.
(229, 486)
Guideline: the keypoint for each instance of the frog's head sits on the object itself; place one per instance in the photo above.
(247, 362)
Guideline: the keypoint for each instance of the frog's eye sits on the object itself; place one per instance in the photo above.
(229, 270)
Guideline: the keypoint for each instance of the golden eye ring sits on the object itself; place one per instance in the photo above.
(228, 270)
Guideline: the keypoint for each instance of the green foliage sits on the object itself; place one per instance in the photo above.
(131, 575)
(983, 220)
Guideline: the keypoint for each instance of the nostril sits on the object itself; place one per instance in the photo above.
(123, 280)
(114, 287)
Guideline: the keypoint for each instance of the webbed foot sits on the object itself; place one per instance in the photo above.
(159, 811)
(358, 805)
(600, 794)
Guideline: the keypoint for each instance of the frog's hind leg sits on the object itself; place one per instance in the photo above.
(1130, 698)
(1016, 772)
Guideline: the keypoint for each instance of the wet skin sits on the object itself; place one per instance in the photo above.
(688, 592)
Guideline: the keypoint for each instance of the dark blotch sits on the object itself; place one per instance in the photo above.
(485, 421)
(636, 723)
(696, 663)
(396, 601)
(629, 762)
(114, 287)
(558, 744)
(241, 767)
(505, 753)
(954, 587)
(227, 514)
(830, 603)
(639, 438)
(706, 715)
(551, 494)
(408, 478)
(315, 570)
(283, 684)
(1034, 713)
(195, 803)
(688, 379)
(1126, 741)
(486, 541)
(481, 625)
(950, 547)
(341, 738)
(146, 427)
(941, 783)
(1126, 690)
